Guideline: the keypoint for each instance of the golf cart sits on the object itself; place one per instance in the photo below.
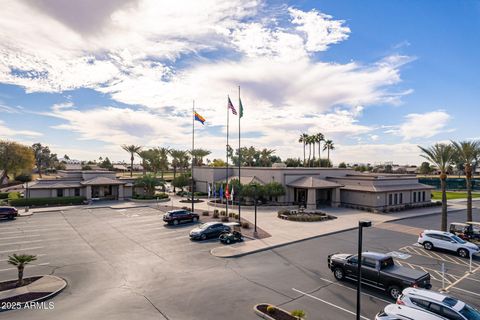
(231, 237)
(469, 231)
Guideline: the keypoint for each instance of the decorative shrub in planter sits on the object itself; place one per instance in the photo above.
(304, 216)
(215, 215)
(225, 219)
(267, 311)
(222, 213)
(215, 211)
(245, 225)
(205, 213)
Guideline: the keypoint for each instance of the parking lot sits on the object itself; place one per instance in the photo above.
(126, 263)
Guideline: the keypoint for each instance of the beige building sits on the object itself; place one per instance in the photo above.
(88, 184)
(317, 187)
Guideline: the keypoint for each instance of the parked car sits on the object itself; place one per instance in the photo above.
(8, 212)
(469, 231)
(431, 239)
(209, 230)
(177, 216)
(440, 304)
(378, 271)
(398, 312)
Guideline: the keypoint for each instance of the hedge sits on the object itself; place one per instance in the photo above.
(47, 201)
(3, 195)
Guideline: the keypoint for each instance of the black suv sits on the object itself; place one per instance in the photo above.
(177, 216)
(8, 212)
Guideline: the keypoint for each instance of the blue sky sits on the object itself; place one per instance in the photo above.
(376, 77)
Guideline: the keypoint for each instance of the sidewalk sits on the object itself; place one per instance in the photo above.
(286, 232)
(49, 285)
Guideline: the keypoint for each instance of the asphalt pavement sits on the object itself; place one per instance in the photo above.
(125, 263)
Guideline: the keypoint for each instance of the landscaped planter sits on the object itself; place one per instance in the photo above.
(292, 215)
(150, 200)
(279, 314)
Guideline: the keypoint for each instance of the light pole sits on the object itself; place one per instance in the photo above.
(255, 199)
(361, 225)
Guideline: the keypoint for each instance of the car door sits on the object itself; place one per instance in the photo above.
(449, 243)
(370, 273)
(437, 241)
(351, 266)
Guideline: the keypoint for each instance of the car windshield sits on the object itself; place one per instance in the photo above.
(459, 240)
(470, 313)
(205, 226)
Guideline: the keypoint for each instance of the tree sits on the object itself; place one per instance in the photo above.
(440, 155)
(218, 163)
(319, 137)
(388, 168)
(468, 152)
(425, 168)
(145, 155)
(179, 161)
(14, 158)
(303, 139)
(149, 182)
(265, 157)
(252, 189)
(132, 149)
(181, 181)
(342, 165)
(309, 142)
(328, 145)
(274, 189)
(198, 155)
(66, 157)
(106, 164)
(44, 159)
(292, 162)
(20, 261)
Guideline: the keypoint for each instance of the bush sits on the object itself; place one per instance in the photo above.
(231, 214)
(298, 313)
(283, 212)
(222, 213)
(47, 201)
(271, 309)
(236, 216)
(14, 195)
(245, 225)
(24, 178)
(215, 215)
(205, 213)
(3, 195)
(215, 211)
(161, 195)
(225, 219)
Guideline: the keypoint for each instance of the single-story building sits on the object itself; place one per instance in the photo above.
(316, 187)
(89, 184)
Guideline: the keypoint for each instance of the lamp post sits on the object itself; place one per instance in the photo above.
(255, 199)
(361, 224)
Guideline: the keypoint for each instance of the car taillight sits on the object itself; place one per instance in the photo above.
(399, 300)
(421, 235)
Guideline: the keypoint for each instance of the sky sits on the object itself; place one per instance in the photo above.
(377, 77)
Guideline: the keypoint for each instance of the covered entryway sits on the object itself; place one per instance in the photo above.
(104, 188)
(315, 192)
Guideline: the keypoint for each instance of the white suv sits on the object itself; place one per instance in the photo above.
(431, 239)
(397, 312)
(440, 304)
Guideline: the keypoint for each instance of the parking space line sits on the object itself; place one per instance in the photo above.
(29, 266)
(431, 271)
(37, 255)
(23, 236)
(37, 230)
(437, 256)
(31, 241)
(461, 279)
(466, 291)
(21, 249)
(329, 303)
(363, 293)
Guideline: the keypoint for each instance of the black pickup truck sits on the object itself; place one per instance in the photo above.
(378, 271)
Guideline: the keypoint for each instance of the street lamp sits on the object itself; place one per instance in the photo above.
(255, 196)
(361, 224)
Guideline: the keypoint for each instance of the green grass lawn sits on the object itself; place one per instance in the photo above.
(437, 195)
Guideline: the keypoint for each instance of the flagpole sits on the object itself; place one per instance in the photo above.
(226, 179)
(239, 156)
(193, 149)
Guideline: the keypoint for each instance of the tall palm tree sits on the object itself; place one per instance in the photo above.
(163, 159)
(20, 261)
(132, 149)
(303, 139)
(441, 155)
(179, 161)
(468, 152)
(145, 155)
(198, 155)
(309, 142)
(265, 157)
(328, 145)
(319, 137)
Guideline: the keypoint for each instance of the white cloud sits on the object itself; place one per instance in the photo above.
(422, 125)
(399, 153)
(9, 132)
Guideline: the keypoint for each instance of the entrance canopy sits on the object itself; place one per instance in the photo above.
(313, 183)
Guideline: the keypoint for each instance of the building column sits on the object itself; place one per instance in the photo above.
(88, 192)
(121, 194)
(312, 199)
(336, 197)
(54, 193)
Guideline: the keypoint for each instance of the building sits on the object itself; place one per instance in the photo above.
(316, 187)
(88, 184)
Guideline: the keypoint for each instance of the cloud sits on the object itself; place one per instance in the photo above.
(8, 132)
(422, 125)
(399, 153)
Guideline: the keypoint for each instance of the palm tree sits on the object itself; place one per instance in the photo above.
(303, 139)
(145, 155)
(309, 142)
(441, 155)
(319, 137)
(179, 161)
(265, 157)
(20, 261)
(468, 152)
(328, 145)
(149, 182)
(198, 155)
(132, 149)
(163, 159)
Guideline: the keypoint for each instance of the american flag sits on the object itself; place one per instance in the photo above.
(230, 106)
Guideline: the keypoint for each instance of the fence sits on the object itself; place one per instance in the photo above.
(452, 183)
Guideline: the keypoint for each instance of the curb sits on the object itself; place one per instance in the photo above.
(421, 216)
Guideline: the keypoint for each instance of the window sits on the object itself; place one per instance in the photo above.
(390, 199)
(396, 198)
(59, 192)
(435, 308)
(368, 262)
(353, 260)
(423, 196)
(401, 198)
(450, 314)
(421, 303)
(414, 197)
(77, 192)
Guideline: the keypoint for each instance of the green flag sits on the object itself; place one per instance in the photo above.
(240, 107)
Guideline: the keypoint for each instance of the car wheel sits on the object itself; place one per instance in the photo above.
(203, 236)
(428, 245)
(227, 241)
(394, 292)
(11, 217)
(338, 273)
(195, 219)
(463, 253)
(175, 222)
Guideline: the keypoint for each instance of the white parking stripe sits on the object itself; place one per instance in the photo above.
(23, 236)
(29, 266)
(437, 256)
(36, 230)
(466, 291)
(38, 255)
(329, 303)
(21, 249)
(363, 293)
(33, 241)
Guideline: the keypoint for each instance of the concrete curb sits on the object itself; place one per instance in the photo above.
(421, 216)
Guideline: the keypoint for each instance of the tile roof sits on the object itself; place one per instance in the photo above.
(313, 183)
(102, 181)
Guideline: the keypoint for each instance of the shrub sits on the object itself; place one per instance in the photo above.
(222, 213)
(24, 178)
(215, 211)
(14, 195)
(47, 201)
(161, 195)
(205, 213)
(271, 309)
(215, 215)
(298, 313)
(283, 212)
(236, 216)
(3, 195)
(245, 225)
(225, 219)
(231, 214)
